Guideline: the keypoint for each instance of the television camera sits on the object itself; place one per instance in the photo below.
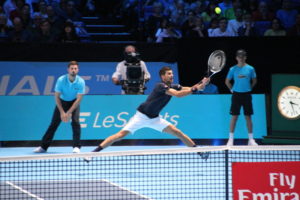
(135, 82)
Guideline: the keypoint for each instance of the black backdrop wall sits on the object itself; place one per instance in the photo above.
(267, 55)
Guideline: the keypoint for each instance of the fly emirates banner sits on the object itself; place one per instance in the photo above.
(266, 180)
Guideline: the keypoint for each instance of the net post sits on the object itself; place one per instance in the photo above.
(226, 174)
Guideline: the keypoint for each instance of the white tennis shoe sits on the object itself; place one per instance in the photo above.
(229, 142)
(76, 150)
(251, 142)
(39, 150)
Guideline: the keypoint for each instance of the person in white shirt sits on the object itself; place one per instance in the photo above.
(168, 34)
(235, 24)
(120, 74)
(222, 31)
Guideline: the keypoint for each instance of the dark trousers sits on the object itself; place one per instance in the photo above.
(55, 122)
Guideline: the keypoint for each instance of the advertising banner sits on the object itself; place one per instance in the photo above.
(38, 78)
(199, 116)
(266, 181)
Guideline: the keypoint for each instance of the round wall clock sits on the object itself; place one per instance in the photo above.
(288, 102)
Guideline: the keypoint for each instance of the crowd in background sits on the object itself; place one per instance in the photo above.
(148, 20)
(42, 20)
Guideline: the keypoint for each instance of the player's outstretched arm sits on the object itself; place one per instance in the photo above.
(181, 93)
(188, 90)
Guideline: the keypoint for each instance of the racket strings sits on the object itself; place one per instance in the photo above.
(216, 61)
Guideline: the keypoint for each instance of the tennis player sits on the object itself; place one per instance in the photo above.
(147, 114)
(244, 77)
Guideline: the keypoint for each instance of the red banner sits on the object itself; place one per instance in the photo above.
(266, 181)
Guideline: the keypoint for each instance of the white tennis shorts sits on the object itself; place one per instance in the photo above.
(139, 120)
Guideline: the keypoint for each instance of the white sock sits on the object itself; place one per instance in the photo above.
(231, 136)
(250, 135)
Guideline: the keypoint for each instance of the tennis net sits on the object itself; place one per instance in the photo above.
(133, 175)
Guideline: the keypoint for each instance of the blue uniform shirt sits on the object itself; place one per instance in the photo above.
(68, 90)
(157, 100)
(242, 77)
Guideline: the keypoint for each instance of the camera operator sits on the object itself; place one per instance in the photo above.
(131, 73)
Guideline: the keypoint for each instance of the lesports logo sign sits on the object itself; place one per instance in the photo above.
(266, 181)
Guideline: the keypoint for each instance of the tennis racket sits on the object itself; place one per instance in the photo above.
(216, 62)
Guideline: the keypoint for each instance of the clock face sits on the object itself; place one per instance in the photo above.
(288, 102)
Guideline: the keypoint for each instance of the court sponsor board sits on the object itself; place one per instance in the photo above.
(199, 116)
(266, 180)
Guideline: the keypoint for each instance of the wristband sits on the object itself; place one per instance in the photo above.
(194, 90)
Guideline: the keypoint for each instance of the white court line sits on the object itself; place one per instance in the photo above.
(125, 189)
(96, 180)
(24, 191)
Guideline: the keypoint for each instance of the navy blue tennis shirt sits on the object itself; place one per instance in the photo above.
(157, 100)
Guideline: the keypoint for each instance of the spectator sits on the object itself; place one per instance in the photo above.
(69, 12)
(287, 14)
(222, 31)
(214, 23)
(55, 21)
(154, 21)
(276, 29)
(46, 34)
(224, 5)
(177, 16)
(168, 34)
(199, 30)
(248, 29)
(295, 30)
(35, 24)
(235, 24)
(19, 33)
(42, 9)
(210, 13)
(9, 6)
(69, 34)
(4, 28)
(25, 15)
(16, 12)
(188, 24)
(174, 8)
(263, 13)
(230, 13)
(198, 6)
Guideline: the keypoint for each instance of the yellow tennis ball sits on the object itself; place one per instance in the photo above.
(218, 10)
